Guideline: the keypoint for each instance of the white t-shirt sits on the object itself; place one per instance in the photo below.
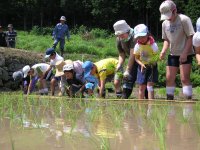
(40, 68)
(177, 33)
(196, 39)
(54, 61)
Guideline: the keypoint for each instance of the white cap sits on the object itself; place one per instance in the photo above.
(63, 18)
(25, 70)
(68, 67)
(166, 9)
(140, 30)
(121, 27)
(198, 25)
(196, 39)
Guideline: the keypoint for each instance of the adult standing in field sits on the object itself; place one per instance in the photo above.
(2, 38)
(60, 31)
(177, 32)
(11, 36)
(125, 44)
(196, 41)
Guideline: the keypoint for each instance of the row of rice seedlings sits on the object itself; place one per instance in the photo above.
(13, 106)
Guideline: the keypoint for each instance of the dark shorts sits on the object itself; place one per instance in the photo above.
(57, 78)
(174, 60)
(49, 76)
(149, 74)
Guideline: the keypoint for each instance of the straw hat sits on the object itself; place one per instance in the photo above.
(59, 67)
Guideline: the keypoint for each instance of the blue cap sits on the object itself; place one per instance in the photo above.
(89, 86)
(49, 51)
(87, 66)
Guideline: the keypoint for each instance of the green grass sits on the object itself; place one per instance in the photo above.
(97, 47)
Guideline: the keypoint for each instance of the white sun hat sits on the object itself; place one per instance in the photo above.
(196, 39)
(63, 18)
(25, 70)
(121, 27)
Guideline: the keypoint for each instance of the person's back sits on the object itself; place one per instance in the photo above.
(106, 67)
(40, 69)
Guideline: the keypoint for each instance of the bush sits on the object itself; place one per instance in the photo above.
(36, 30)
(99, 33)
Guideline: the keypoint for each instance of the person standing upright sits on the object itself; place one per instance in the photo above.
(11, 36)
(177, 32)
(60, 31)
(2, 38)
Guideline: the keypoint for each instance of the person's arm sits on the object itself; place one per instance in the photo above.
(7, 39)
(187, 49)
(121, 60)
(164, 49)
(197, 51)
(68, 34)
(130, 61)
(137, 59)
(54, 32)
(102, 87)
(15, 36)
(29, 86)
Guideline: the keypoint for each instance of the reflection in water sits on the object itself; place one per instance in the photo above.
(88, 125)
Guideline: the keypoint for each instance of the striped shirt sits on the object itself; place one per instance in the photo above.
(11, 35)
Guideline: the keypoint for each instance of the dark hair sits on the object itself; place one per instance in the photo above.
(52, 53)
(72, 71)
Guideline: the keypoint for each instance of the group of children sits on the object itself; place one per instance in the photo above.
(76, 78)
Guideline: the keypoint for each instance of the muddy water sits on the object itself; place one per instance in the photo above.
(90, 125)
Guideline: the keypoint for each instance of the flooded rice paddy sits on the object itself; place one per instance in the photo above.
(40, 123)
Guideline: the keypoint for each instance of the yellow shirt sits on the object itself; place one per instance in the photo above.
(106, 67)
(147, 53)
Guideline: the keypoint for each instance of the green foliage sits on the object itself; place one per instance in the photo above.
(41, 30)
(193, 10)
(99, 33)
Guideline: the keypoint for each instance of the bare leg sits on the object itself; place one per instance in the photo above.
(150, 90)
(142, 89)
(53, 83)
(185, 71)
(170, 81)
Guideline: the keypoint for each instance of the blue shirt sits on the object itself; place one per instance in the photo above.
(60, 31)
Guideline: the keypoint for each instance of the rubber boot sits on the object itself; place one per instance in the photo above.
(170, 97)
(126, 93)
(118, 94)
